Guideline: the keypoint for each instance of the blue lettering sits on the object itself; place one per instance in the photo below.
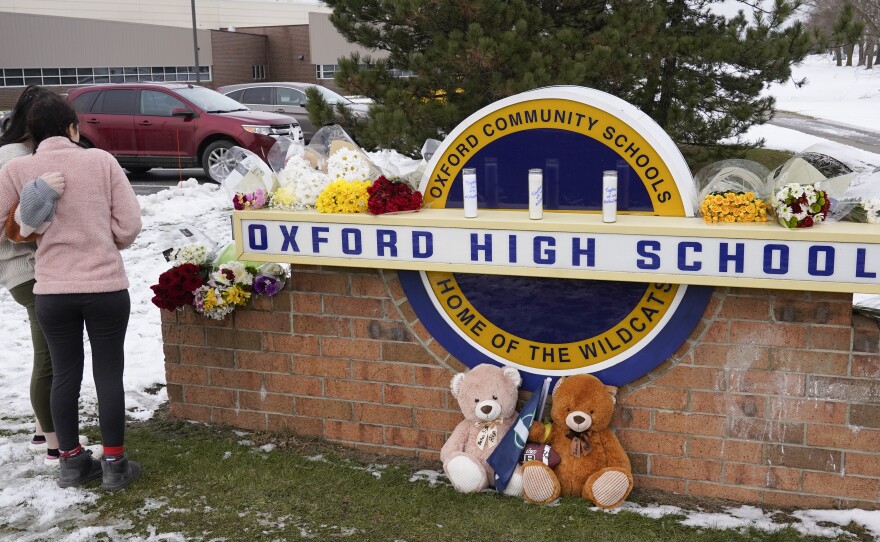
(511, 247)
(861, 256)
(769, 251)
(477, 247)
(317, 239)
(428, 238)
(541, 254)
(651, 261)
(347, 235)
(683, 257)
(386, 239)
(589, 252)
(262, 243)
(738, 257)
(813, 267)
(289, 238)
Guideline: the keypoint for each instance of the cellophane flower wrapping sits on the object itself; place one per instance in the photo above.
(856, 197)
(732, 191)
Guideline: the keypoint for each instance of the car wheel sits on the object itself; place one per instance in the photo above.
(217, 161)
(138, 170)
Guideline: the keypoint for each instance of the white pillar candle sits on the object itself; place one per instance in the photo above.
(609, 196)
(536, 194)
(469, 187)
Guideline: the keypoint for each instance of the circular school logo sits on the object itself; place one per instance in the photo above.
(554, 326)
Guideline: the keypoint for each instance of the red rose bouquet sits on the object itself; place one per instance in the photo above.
(389, 197)
(176, 286)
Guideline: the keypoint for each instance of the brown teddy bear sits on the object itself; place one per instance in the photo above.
(593, 464)
(487, 397)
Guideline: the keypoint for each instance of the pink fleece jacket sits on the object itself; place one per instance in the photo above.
(97, 216)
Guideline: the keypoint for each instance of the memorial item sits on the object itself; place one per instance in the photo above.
(392, 197)
(593, 464)
(214, 285)
(254, 200)
(732, 191)
(469, 191)
(536, 194)
(487, 396)
(344, 197)
(609, 196)
(797, 206)
(854, 197)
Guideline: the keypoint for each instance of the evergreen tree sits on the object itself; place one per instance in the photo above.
(698, 75)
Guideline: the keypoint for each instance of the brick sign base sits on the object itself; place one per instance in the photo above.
(774, 399)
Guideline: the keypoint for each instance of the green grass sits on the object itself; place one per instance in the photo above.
(200, 481)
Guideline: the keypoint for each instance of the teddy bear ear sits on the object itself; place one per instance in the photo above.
(557, 386)
(612, 390)
(456, 383)
(513, 375)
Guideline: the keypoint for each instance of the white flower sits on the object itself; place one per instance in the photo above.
(301, 186)
(348, 165)
(274, 269)
(195, 253)
(239, 274)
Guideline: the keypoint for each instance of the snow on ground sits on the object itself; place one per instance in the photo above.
(32, 507)
(848, 95)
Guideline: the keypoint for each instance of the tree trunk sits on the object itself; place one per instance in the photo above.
(869, 54)
(838, 55)
(849, 53)
(861, 53)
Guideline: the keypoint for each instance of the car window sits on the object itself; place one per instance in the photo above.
(258, 96)
(289, 96)
(158, 104)
(116, 102)
(235, 94)
(83, 102)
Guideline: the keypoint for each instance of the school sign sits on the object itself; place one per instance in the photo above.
(567, 293)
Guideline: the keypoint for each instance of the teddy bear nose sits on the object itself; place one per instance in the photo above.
(579, 419)
(486, 409)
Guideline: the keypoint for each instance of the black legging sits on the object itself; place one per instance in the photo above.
(105, 316)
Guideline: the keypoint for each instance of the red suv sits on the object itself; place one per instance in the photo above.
(147, 125)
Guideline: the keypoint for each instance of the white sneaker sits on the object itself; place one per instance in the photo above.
(41, 447)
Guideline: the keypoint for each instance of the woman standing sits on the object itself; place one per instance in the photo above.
(81, 281)
(17, 276)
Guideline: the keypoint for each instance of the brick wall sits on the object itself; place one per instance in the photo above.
(286, 44)
(772, 399)
(235, 55)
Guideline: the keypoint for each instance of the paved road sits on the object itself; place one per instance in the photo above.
(847, 135)
(156, 180)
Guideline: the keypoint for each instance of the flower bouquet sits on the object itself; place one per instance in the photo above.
(800, 206)
(732, 191)
(214, 287)
(392, 197)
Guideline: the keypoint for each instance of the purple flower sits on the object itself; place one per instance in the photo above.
(267, 285)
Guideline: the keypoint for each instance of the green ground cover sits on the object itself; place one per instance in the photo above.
(211, 483)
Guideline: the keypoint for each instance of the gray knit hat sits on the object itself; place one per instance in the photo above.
(36, 207)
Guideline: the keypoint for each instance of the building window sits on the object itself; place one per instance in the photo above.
(325, 71)
(22, 77)
(259, 71)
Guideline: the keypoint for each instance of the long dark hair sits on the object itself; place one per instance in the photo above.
(18, 128)
(50, 116)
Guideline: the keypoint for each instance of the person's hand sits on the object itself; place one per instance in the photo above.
(55, 180)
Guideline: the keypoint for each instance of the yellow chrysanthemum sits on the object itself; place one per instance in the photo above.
(342, 196)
